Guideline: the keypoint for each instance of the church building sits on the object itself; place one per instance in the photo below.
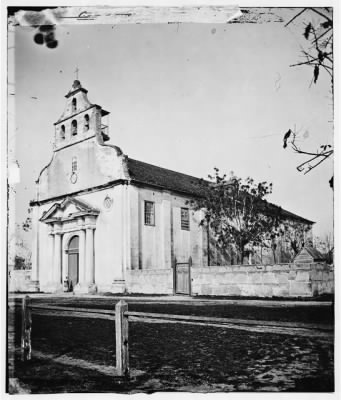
(105, 222)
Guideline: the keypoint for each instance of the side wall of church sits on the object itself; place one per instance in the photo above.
(157, 246)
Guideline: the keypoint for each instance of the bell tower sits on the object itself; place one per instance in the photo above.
(81, 120)
(81, 158)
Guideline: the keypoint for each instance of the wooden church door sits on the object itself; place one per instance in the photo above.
(73, 262)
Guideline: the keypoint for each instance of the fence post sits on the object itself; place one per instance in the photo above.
(122, 346)
(26, 326)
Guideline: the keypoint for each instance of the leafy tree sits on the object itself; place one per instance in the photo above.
(19, 250)
(21, 263)
(236, 211)
(289, 237)
(325, 245)
(27, 224)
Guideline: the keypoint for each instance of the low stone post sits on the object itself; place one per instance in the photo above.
(26, 326)
(122, 345)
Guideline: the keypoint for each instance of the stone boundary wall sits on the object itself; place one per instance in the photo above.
(150, 281)
(322, 278)
(282, 280)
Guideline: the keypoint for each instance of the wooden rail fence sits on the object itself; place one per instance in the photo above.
(120, 316)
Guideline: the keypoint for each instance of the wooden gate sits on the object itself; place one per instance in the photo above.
(182, 277)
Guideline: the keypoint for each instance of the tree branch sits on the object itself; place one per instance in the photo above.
(321, 161)
(292, 19)
(310, 167)
(324, 33)
(321, 14)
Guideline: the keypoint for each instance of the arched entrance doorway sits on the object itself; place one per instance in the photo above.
(73, 262)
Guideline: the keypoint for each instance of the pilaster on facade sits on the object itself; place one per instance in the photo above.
(57, 258)
(65, 242)
(82, 278)
(165, 239)
(35, 248)
(89, 255)
(50, 250)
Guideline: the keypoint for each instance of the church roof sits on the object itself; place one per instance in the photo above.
(290, 215)
(149, 174)
(152, 175)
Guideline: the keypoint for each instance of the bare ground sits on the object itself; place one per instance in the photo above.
(76, 355)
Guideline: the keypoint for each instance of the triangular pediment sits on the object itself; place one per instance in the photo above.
(69, 208)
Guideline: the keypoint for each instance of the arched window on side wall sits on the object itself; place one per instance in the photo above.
(86, 122)
(62, 132)
(74, 127)
(74, 105)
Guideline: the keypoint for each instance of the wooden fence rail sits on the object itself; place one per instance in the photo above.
(119, 316)
(223, 320)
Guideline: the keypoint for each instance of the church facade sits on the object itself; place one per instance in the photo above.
(105, 222)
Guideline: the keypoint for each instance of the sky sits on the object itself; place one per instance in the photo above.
(188, 97)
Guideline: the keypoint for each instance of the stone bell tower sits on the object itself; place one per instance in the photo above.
(82, 159)
(80, 120)
(72, 224)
